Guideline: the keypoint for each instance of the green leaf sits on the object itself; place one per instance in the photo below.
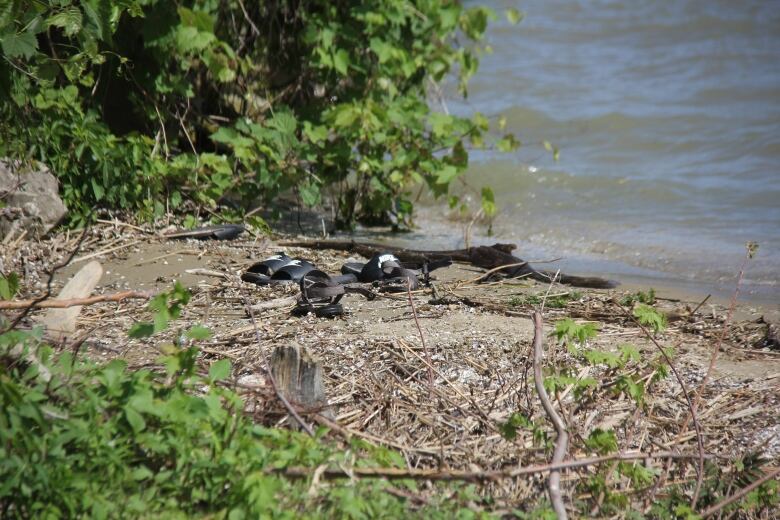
(441, 124)
(447, 174)
(310, 194)
(219, 370)
(199, 332)
(203, 21)
(346, 115)
(70, 20)
(190, 39)
(315, 133)
(135, 419)
(513, 16)
(480, 121)
(16, 45)
(598, 357)
(551, 148)
(488, 202)
(341, 61)
(648, 316)
(508, 143)
(569, 330)
(141, 330)
(97, 189)
(602, 442)
(382, 49)
(8, 286)
(99, 14)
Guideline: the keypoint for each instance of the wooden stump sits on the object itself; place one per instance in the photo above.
(298, 377)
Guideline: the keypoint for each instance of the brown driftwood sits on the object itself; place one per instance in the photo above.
(487, 257)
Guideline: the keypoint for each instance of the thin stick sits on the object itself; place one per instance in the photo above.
(740, 494)
(491, 271)
(562, 439)
(714, 358)
(422, 337)
(125, 224)
(105, 251)
(700, 304)
(62, 304)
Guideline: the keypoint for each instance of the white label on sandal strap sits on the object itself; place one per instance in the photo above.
(387, 258)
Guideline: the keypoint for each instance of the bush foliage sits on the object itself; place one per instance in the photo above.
(78, 439)
(145, 104)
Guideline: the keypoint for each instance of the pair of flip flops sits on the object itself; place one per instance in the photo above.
(277, 269)
(321, 292)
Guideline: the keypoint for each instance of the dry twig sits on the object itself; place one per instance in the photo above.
(562, 439)
(62, 304)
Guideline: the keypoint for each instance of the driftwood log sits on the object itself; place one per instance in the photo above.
(486, 257)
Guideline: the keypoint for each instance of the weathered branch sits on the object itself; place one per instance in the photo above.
(562, 439)
(475, 476)
(61, 304)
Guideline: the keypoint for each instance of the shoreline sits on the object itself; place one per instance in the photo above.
(446, 232)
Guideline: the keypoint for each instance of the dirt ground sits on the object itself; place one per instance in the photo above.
(475, 345)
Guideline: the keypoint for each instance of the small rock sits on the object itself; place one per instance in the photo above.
(31, 200)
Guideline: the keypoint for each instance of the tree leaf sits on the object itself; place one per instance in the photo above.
(135, 419)
(310, 194)
(8, 286)
(16, 45)
(488, 202)
(70, 20)
(513, 16)
(142, 329)
(219, 370)
(446, 174)
(199, 332)
(99, 14)
(341, 61)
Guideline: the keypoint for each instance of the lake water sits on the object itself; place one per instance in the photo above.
(667, 116)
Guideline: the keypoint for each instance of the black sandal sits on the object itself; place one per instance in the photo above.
(277, 269)
(387, 272)
(220, 232)
(321, 293)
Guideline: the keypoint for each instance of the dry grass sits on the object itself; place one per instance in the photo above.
(377, 372)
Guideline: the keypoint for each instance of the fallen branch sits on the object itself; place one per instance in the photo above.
(474, 476)
(61, 304)
(562, 439)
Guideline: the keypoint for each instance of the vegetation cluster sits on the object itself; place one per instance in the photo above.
(150, 104)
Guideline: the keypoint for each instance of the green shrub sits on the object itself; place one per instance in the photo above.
(146, 103)
(104, 441)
